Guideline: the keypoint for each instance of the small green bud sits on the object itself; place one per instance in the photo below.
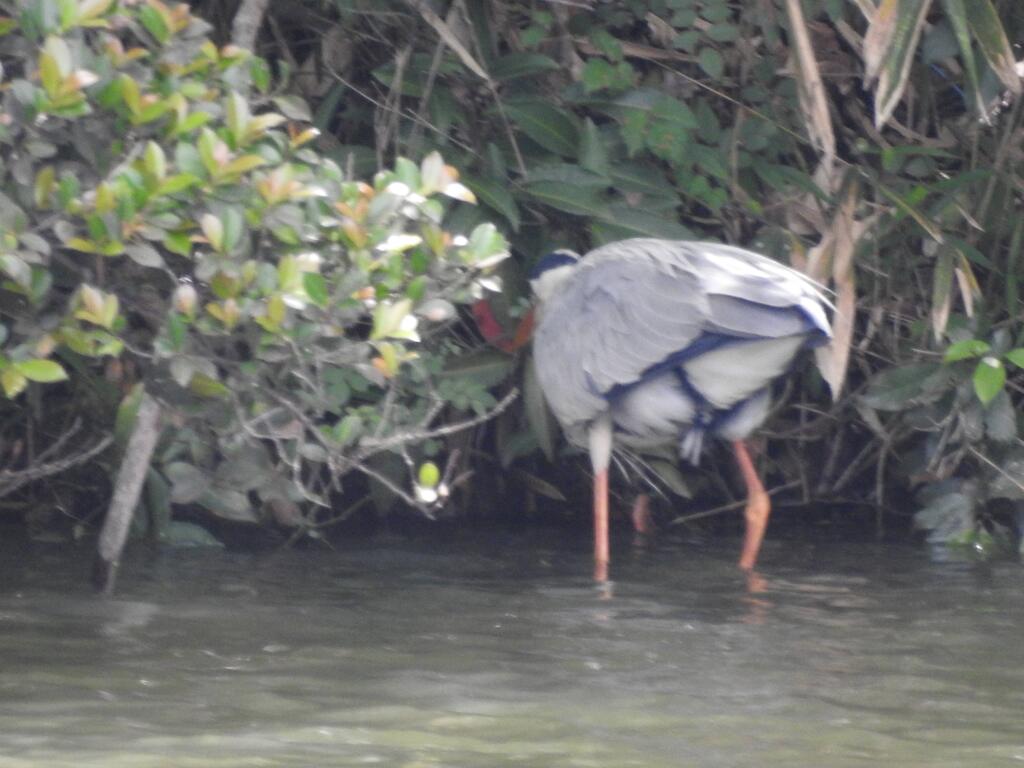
(430, 475)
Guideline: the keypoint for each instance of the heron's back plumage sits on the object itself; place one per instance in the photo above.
(671, 336)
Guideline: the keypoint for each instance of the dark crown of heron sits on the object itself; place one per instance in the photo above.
(563, 257)
(560, 258)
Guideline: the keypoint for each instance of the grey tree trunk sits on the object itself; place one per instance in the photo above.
(130, 478)
(247, 22)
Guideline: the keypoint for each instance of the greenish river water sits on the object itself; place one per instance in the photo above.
(497, 651)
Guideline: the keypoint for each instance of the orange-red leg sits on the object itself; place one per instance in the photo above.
(642, 522)
(601, 525)
(758, 507)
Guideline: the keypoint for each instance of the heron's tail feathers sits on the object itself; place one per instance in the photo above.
(692, 444)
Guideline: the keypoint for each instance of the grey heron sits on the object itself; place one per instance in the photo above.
(647, 342)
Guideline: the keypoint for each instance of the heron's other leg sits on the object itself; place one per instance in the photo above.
(600, 439)
(758, 507)
(643, 526)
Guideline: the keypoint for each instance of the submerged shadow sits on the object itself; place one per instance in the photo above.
(757, 604)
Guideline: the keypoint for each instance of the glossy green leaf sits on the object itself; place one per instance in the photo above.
(49, 73)
(213, 230)
(535, 484)
(622, 221)
(157, 497)
(145, 255)
(207, 386)
(897, 388)
(178, 242)
(907, 208)
(43, 371)
(178, 183)
(388, 318)
(316, 288)
(1016, 356)
(667, 474)
(644, 178)
(294, 108)
(567, 197)
(989, 378)
(942, 292)
(237, 116)
(17, 269)
(889, 47)
(968, 348)
(124, 419)
(569, 174)
(541, 420)
(229, 504)
(154, 23)
(486, 367)
(600, 74)
(12, 381)
(234, 228)
(497, 196)
(154, 160)
(181, 534)
(992, 41)
(711, 61)
(486, 247)
(675, 112)
(348, 429)
(260, 73)
(188, 482)
(593, 152)
(723, 33)
(243, 164)
(527, 64)
(552, 128)
(956, 12)
(605, 42)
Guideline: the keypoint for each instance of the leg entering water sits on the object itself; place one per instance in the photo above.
(601, 526)
(758, 507)
(643, 522)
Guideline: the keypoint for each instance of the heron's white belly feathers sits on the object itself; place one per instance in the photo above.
(732, 380)
(732, 373)
(652, 412)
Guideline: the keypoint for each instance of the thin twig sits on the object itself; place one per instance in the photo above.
(682, 519)
(1014, 481)
(391, 485)
(11, 480)
(445, 32)
(393, 441)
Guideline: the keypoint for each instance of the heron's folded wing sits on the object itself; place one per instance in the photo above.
(750, 295)
(616, 319)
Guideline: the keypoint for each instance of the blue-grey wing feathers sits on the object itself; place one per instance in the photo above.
(669, 333)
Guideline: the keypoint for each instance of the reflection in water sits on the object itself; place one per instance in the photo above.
(502, 653)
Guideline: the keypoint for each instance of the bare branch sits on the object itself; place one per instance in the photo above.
(450, 38)
(374, 445)
(247, 23)
(127, 487)
(12, 480)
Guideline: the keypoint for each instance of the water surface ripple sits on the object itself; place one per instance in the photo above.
(499, 652)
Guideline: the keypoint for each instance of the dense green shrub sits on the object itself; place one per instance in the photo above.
(161, 202)
(786, 126)
(872, 142)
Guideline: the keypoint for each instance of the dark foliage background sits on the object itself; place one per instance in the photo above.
(874, 144)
